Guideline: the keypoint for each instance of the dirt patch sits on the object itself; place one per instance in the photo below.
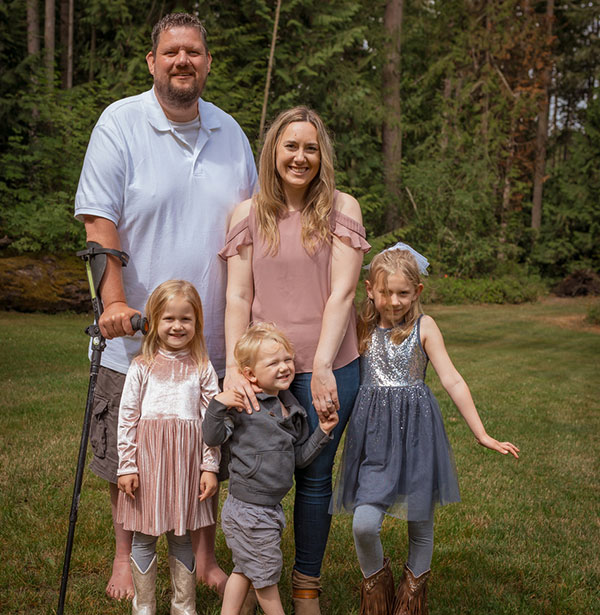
(575, 321)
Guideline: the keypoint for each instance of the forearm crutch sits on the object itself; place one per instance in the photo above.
(95, 263)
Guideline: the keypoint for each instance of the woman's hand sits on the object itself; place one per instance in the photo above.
(234, 379)
(128, 484)
(324, 392)
(208, 485)
(502, 447)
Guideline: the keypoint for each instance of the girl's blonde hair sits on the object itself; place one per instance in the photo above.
(384, 264)
(269, 202)
(155, 307)
(248, 346)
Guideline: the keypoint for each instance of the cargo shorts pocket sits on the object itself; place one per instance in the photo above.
(98, 427)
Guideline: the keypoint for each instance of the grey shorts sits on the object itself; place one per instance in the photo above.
(253, 533)
(104, 423)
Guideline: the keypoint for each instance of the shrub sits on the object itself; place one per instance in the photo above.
(503, 289)
(593, 314)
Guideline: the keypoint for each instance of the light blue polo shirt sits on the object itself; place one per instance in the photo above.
(171, 204)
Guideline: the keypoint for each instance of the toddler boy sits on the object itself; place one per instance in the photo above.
(266, 447)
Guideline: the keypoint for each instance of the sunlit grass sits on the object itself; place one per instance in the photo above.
(524, 539)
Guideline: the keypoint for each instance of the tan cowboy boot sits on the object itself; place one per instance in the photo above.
(377, 592)
(305, 594)
(183, 583)
(411, 597)
(144, 583)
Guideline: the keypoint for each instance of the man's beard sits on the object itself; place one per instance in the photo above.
(179, 97)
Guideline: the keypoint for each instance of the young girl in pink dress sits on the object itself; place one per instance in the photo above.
(167, 475)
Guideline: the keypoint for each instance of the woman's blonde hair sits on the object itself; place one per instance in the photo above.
(269, 202)
(384, 264)
(248, 346)
(155, 306)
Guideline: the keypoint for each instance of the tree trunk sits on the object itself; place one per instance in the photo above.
(542, 128)
(263, 114)
(392, 127)
(66, 43)
(33, 27)
(92, 53)
(49, 28)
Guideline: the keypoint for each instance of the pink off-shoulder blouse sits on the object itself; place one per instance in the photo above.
(291, 287)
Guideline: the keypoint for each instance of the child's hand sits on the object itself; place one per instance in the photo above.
(327, 423)
(501, 447)
(208, 485)
(128, 484)
(232, 398)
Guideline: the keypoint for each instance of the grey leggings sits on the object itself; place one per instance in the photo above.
(366, 527)
(143, 549)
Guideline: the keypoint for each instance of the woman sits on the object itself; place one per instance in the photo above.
(294, 253)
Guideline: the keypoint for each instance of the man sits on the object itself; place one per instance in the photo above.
(162, 172)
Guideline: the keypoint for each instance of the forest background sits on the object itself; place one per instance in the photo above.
(468, 128)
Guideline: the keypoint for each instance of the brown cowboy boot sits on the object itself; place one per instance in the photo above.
(411, 597)
(305, 594)
(377, 592)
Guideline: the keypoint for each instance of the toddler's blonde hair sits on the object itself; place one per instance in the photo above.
(155, 306)
(386, 263)
(247, 348)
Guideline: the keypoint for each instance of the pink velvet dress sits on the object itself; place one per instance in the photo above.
(292, 287)
(160, 438)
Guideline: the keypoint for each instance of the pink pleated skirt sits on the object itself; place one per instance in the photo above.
(169, 456)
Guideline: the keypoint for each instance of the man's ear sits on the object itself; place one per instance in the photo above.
(150, 62)
(247, 371)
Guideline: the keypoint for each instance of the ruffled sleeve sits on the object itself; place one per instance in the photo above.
(349, 231)
(237, 237)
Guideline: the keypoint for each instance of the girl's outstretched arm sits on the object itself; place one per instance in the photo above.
(456, 387)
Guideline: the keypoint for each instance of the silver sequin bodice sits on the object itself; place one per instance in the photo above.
(393, 365)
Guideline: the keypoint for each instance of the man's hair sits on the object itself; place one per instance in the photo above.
(247, 349)
(177, 20)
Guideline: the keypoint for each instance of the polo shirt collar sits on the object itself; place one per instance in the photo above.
(209, 119)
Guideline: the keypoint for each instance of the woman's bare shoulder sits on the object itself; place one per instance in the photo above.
(240, 212)
(346, 204)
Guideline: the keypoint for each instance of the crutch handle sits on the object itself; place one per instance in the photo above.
(140, 323)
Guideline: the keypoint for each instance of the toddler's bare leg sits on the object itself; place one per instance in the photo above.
(269, 600)
(235, 593)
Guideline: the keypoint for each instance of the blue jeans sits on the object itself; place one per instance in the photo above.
(314, 483)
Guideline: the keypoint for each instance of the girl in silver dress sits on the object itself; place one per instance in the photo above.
(397, 459)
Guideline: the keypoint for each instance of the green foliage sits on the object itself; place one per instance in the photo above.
(504, 289)
(569, 238)
(593, 314)
(469, 84)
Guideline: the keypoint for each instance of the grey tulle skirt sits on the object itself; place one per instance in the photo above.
(396, 455)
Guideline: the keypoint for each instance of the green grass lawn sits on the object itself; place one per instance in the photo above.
(525, 538)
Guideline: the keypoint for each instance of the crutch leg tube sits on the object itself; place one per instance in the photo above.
(95, 263)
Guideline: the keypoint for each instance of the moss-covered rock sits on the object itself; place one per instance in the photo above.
(43, 284)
